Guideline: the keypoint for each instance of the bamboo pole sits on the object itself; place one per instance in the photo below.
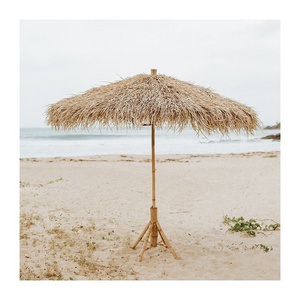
(153, 73)
(141, 236)
(165, 240)
(145, 243)
(153, 211)
(153, 227)
(153, 163)
(154, 233)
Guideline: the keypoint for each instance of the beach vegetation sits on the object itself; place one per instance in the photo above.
(52, 271)
(91, 246)
(24, 236)
(56, 231)
(26, 221)
(251, 226)
(87, 263)
(56, 180)
(24, 184)
(264, 247)
(128, 241)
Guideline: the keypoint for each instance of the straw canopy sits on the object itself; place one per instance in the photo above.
(153, 99)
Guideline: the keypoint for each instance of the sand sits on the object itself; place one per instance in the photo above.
(79, 216)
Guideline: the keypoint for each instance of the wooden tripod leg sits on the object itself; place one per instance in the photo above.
(145, 242)
(141, 236)
(165, 240)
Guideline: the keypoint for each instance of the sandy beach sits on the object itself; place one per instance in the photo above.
(79, 216)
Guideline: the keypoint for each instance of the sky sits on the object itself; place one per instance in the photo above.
(238, 59)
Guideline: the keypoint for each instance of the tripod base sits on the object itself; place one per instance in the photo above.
(151, 230)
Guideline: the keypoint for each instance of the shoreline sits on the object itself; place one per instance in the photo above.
(157, 156)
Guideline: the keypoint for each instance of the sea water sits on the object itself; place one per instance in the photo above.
(46, 142)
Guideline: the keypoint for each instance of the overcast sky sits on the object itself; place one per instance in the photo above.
(237, 59)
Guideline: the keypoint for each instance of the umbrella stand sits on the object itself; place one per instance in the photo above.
(153, 227)
(123, 103)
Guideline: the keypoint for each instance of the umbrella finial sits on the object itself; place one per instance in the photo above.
(153, 72)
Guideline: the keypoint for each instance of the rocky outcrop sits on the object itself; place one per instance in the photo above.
(277, 126)
(274, 137)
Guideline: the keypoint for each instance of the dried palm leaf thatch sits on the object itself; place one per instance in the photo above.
(153, 99)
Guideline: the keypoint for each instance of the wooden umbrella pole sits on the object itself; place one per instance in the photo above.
(153, 227)
(153, 209)
(153, 163)
(153, 73)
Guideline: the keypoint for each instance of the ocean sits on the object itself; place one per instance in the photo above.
(46, 142)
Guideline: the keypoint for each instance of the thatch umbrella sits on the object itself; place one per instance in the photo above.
(157, 101)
